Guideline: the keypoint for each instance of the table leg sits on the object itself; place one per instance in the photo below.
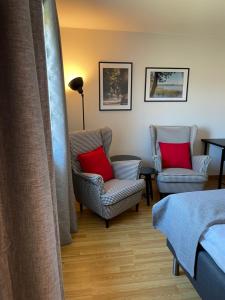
(205, 148)
(221, 169)
(147, 181)
(150, 185)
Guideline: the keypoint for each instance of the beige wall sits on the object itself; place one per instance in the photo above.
(83, 49)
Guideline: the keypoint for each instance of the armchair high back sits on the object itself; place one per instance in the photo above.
(175, 180)
(107, 199)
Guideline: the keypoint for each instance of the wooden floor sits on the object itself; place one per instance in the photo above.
(129, 260)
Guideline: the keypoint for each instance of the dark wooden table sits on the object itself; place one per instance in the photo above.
(146, 172)
(219, 143)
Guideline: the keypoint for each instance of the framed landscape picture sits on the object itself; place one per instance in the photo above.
(166, 84)
(115, 86)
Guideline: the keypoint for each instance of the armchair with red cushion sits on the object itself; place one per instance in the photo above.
(179, 170)
(107, 188)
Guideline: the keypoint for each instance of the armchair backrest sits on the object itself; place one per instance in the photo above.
(171, 134)
(87, 140)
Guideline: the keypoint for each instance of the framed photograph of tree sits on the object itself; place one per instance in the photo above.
(115, 86)
(166, 84)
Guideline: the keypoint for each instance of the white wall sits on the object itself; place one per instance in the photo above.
(83, 49)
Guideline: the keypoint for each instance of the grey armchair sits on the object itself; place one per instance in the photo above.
(176, 180)
(107, 199)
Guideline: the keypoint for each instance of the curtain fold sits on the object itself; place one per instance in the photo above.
(30, 266)
(59, 127)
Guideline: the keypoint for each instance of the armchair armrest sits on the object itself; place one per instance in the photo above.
(92, 178)
(157, 163)
(200, 163)
(85, 182)
(127, 169)
(88, 189)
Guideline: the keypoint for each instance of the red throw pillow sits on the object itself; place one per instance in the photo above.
(175, 155)
(96, 162)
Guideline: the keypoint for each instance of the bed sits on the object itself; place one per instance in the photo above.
(194, 225)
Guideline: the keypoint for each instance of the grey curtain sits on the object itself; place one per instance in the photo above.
(59, 127)
(30, 266)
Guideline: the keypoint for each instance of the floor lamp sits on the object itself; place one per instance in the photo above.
(76, 84)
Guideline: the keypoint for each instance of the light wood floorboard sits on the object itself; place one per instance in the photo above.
(129, 260)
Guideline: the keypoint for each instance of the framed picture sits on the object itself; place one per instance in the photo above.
(166, 84)
(115, 86)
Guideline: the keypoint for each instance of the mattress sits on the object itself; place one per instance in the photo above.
(213, 241)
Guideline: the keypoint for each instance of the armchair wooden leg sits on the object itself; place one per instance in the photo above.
(137, 207)
(81, 207)
(106, 223)
(175, 267)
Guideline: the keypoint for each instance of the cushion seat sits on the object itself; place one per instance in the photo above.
(116, 190)
(180, 175)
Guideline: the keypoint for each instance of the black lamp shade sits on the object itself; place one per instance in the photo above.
(76, 84)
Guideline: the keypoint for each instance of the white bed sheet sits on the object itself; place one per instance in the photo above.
(213, 241)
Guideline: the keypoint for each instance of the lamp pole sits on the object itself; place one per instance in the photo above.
(82, 95)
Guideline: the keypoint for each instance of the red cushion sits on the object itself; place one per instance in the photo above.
(175, 155)
(96, 162)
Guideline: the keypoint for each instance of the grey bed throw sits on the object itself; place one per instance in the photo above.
(184, 217)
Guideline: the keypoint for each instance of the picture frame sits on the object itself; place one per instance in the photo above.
(166, 84)
(115, 86)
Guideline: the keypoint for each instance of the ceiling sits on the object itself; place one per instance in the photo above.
(190, 17)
